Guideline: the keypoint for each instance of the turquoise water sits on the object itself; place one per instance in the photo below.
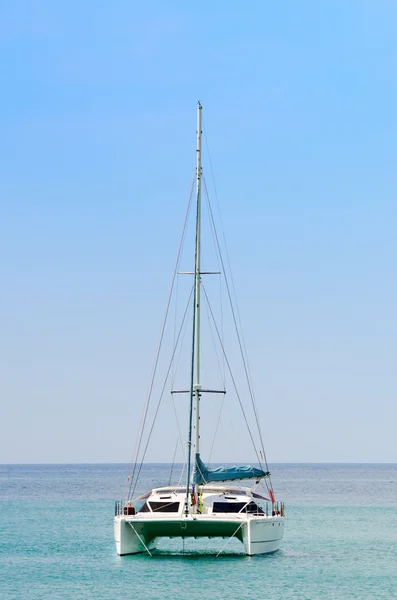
(56, 539)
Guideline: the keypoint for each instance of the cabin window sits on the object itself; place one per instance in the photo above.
(144, 508)
(236, 507)
(228, 507)
(253, 508)
(168, 507)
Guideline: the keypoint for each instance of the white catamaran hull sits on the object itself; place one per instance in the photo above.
(259, 534)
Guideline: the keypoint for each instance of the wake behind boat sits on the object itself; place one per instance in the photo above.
(208, 504)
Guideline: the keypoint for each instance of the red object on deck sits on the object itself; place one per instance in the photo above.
(271, 496)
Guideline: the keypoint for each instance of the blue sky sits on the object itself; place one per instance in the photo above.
(97, 152)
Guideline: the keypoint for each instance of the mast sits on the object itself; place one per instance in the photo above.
(197, 385)
(195, 369)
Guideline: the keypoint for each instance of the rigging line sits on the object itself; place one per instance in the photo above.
(210, 162)
(175, 322)
(217, 427)
(227, 256)
(239, 338)
(216, 353)
(229, 267)
(212, 231)
(182, 472)
(224, 546)
(180, 350)
(160, 399)
(141, 540)
(223, 379)
(233, 380)
(222, 229)
(181, 250)
(222, 327)
(200, 471)
(189, 442)
(173, 460)
(226, 248)
(154, 369)
(178, 426)
(239, 329)
(220, 278)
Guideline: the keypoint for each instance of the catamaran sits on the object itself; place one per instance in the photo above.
(209, 504)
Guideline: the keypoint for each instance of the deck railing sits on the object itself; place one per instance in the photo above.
(122, 508)
(272, 509)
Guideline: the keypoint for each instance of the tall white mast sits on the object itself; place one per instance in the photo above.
(195, 367)
(197, 385)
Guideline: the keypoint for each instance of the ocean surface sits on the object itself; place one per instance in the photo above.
(56, 539)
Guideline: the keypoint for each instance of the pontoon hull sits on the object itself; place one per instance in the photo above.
(259, 535)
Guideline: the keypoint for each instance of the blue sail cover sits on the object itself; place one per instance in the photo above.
(202, 474)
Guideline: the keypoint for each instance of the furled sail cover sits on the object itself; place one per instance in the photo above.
(202, 474)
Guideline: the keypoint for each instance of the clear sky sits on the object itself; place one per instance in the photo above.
(97, 150)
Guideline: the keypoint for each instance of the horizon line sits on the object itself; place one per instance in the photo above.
(21, 464)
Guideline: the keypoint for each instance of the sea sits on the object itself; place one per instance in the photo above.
(56, 538)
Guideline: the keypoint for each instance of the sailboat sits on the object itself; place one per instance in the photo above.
(209, 503)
